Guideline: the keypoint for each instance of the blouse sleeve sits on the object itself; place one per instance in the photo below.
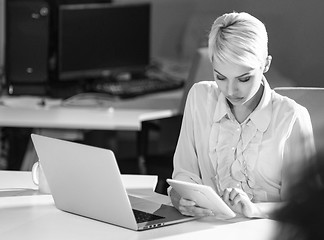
(185, 158)
(299, 150)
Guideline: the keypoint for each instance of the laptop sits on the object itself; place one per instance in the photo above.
(86, 181)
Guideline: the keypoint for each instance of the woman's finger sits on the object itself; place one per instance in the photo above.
(186, 202)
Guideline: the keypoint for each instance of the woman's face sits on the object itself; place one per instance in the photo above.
(238, 83)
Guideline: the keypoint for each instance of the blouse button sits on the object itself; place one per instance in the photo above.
(233, 148)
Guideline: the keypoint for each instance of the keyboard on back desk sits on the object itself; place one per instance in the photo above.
(136, 87)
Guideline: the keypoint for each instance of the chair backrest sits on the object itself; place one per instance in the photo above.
(201, 70)
(313, 100)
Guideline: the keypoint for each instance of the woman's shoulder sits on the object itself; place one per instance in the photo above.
(204, 95)
(286, 104)
(205, 86)
(205, 89)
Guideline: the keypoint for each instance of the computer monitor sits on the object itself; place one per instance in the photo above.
(95, 40)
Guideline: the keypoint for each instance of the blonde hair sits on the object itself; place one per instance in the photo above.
(238, 38)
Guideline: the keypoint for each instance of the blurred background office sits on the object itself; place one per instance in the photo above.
(179, 27)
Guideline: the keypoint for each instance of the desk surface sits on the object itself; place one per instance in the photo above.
(120, 115)
(27, 215)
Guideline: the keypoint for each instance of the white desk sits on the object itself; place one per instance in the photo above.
(26, 112)
(120, 115)
(26, 215)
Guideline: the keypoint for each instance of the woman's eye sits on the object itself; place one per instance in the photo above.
(220, 77)
(245, 79)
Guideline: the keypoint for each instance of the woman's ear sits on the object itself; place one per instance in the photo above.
(267, 63)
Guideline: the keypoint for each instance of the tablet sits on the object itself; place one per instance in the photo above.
(204, 196)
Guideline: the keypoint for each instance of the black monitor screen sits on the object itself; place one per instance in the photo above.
(95, 39)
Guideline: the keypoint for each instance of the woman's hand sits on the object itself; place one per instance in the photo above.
(188, 207)
(240, 202)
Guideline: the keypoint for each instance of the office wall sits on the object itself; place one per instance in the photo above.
(169, 18)
(295, 32)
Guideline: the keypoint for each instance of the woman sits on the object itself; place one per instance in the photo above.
(239, 136)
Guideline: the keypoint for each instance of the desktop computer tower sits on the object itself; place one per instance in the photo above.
(31, 45)
(27, 46)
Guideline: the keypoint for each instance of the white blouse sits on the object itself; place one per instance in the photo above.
(262, 155)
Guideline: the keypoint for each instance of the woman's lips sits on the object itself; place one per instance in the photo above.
(234, 99)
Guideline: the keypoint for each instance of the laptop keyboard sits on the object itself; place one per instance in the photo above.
(141, 216)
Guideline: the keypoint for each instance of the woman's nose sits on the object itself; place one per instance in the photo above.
(231, 88)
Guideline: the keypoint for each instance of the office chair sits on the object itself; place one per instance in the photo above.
(313, 99)
(168, 129)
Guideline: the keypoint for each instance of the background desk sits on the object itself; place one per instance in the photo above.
(123, 115)
(26, 215)
(119, 115)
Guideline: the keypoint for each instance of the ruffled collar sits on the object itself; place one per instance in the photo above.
(236, 168)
